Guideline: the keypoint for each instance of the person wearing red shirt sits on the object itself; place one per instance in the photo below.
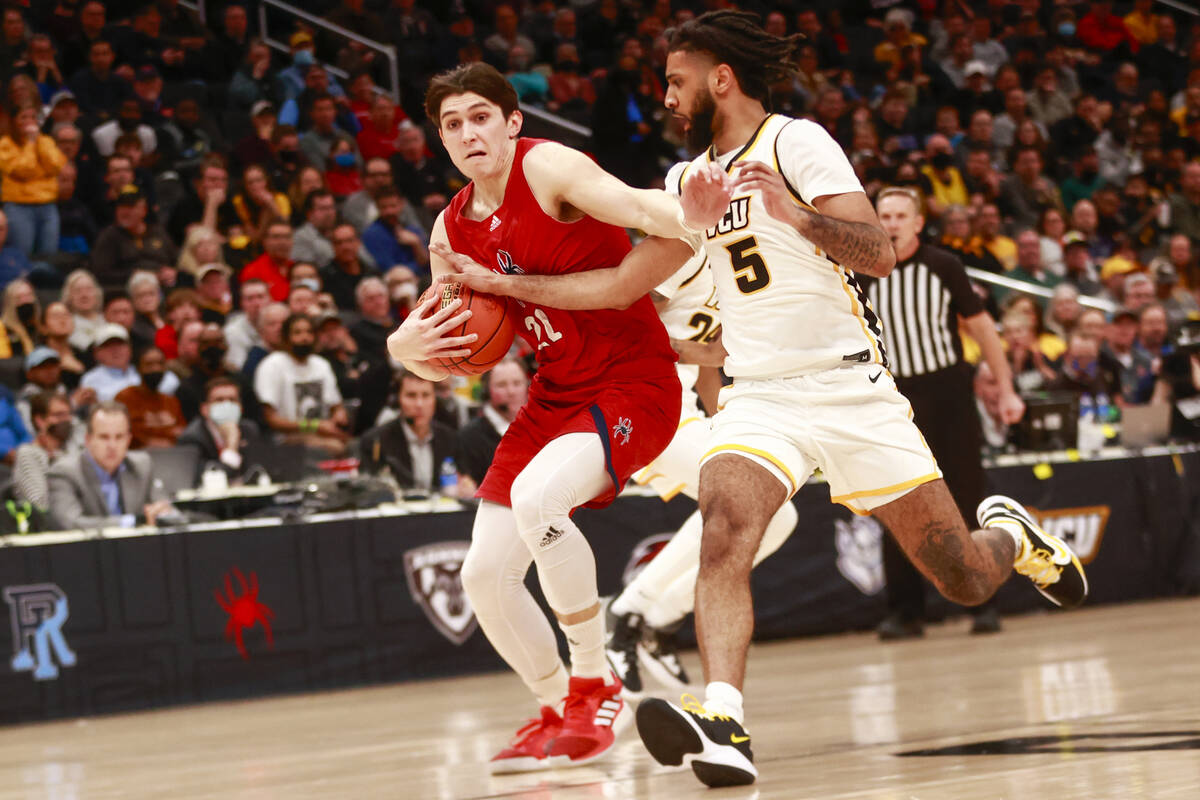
(377, 139)
(341, 173)
(605, 400)
(273, 266)
(1100, 29)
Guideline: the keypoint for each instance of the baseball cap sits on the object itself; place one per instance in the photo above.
(204, 269)
(262, 107)
(975, 67)
(299, 38)
(62, 96)
(1124, 313)
(1117, 265)
(39, 356)
(129, 194)
(1073, 237)
(326, 316)
(109, 331)
(1165, 273)
(898, 16)
(147, 72)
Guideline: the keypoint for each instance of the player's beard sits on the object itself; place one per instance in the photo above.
(700, 124)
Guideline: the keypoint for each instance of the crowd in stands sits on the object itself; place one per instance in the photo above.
(206, 241)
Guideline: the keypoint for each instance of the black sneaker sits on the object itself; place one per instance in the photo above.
(621, 651)
(1044, 559)
(986, 621)
(716, 746)
(659, 654)
(895, 628)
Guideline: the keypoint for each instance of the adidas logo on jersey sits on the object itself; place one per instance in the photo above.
(552, 536)
(607, 712)
(495, 223)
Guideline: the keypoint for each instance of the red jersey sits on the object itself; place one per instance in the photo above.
(576, 350)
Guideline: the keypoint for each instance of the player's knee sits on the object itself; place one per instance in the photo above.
(723, 545)
(967, 589)
(480, 577)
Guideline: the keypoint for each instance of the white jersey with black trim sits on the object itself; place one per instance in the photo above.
(691, 311)
(786, 308)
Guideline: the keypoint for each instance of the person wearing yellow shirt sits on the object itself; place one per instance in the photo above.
(946, 182)
(1002, 248)
(1142, 22)
(897, 27)
(29, 163)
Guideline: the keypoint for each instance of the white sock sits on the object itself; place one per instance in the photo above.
(1016, 531)
(551, 689)
(724, 698)
(586, 643)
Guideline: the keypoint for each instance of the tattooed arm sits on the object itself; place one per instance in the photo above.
(848, 230)
(846, 226)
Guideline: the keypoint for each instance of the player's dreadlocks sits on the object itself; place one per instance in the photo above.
(736, 38)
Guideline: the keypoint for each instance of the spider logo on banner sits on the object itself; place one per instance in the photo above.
(244, 609)
(38, 612)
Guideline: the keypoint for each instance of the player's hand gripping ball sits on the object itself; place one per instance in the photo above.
(490, 321)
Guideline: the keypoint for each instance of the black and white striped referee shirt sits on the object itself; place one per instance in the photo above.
(919, 304)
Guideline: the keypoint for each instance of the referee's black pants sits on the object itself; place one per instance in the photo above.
(943, 404)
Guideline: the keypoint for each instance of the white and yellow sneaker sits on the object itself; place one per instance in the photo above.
(1044, 559)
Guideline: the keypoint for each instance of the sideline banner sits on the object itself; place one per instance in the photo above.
(106, 625)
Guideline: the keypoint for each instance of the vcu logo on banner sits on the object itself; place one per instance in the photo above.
(1081, 528)
(37, 612)
(434, 574)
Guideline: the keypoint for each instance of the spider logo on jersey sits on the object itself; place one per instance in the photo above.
(505, 262)
(736, 218)
(623, 428)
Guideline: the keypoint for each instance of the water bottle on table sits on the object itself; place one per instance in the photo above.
(448, 478)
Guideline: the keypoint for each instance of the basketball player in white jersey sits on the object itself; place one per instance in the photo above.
(811, 386)
(643, 618)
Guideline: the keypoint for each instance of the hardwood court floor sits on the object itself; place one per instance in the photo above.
(1100, 703)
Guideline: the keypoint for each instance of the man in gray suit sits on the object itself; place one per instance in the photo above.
(105, 485)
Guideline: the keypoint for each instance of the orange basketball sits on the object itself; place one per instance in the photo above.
(489, 320)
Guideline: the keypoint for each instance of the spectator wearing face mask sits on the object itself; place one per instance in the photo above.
(212, 364)
(220, 433)
(156, 419)
(299, 392)
(53, 427)
(21, 313)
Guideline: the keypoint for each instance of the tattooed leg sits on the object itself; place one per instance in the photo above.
(965, 566)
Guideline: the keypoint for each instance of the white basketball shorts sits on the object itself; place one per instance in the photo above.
(851, 422)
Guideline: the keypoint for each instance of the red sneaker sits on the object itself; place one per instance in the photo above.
(527, 751)
(593, 715)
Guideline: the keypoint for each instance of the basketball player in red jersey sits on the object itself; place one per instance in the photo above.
(604, 402)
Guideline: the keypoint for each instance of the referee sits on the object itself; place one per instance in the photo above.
(920, 304)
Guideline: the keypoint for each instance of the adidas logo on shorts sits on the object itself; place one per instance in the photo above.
(607, 712)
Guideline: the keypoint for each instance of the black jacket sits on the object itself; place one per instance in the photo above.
(386, 447)
(477, 443)
(197, 435)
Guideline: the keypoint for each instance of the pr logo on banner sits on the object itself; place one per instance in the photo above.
(434, 574)
(1081, 528)
(38, 612)
(860, 553)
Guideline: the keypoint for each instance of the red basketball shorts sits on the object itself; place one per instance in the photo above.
(635, 421)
